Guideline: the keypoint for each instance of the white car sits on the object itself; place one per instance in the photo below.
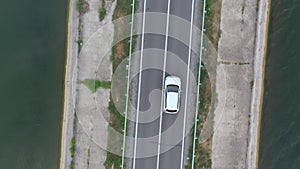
(172, 94)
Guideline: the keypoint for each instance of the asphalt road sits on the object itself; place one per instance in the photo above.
(171, 153)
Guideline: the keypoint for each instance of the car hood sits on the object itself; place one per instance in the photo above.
(172, 80)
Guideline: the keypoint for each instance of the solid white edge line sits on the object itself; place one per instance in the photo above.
(163, 84)
(139, 89)
(198, 87)
(187, 85)
(128, 81)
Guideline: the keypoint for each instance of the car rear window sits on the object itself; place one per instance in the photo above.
(171, 110)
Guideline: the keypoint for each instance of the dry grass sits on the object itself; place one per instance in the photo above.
(212, 21)
(116, 121)
(203, 151)
(119, 53)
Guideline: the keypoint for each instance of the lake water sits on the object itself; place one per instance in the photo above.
(280, 133)
(31, 88)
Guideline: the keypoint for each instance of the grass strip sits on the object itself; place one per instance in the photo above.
(213, 32)
(94, 84)
(212, 21)
(203, 150)
(119, 52)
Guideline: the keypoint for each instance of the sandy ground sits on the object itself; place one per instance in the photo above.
(240, 55)
(91, 109)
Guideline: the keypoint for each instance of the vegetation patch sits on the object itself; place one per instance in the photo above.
(79, 45)
(123, 8)
(212, 21)
(213, 32)
(119, 52)
(234, 63)
(112, 161)
(203, 150)
(121, 49)
(116, 121)
(102, 10)
(94, 84)
(251, 84)
(243, 7)
(102, 13)
(72, 165)
(82, 6)
(72, 151)
(89, 155)
(72, 148)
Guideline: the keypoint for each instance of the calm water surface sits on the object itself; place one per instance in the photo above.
(280, 134)
(31, 87)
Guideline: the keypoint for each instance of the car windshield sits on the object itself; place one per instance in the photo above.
(172, 88)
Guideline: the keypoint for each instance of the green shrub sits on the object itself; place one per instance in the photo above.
(72, 148)
(243, 7)
(102, 13)
(79, 5)
(72, 165)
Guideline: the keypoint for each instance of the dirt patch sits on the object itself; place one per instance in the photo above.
(86, 7)
(119, 50)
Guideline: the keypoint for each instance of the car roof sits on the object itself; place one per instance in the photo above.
(172, 101)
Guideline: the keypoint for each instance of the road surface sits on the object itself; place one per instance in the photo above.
(166, 144)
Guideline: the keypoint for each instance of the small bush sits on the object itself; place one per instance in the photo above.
(79, 42)
(72, 148)
(82, 6)
(79, 5)
(72, 165)
(102, 13)
(243, 7)
(112, 159)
